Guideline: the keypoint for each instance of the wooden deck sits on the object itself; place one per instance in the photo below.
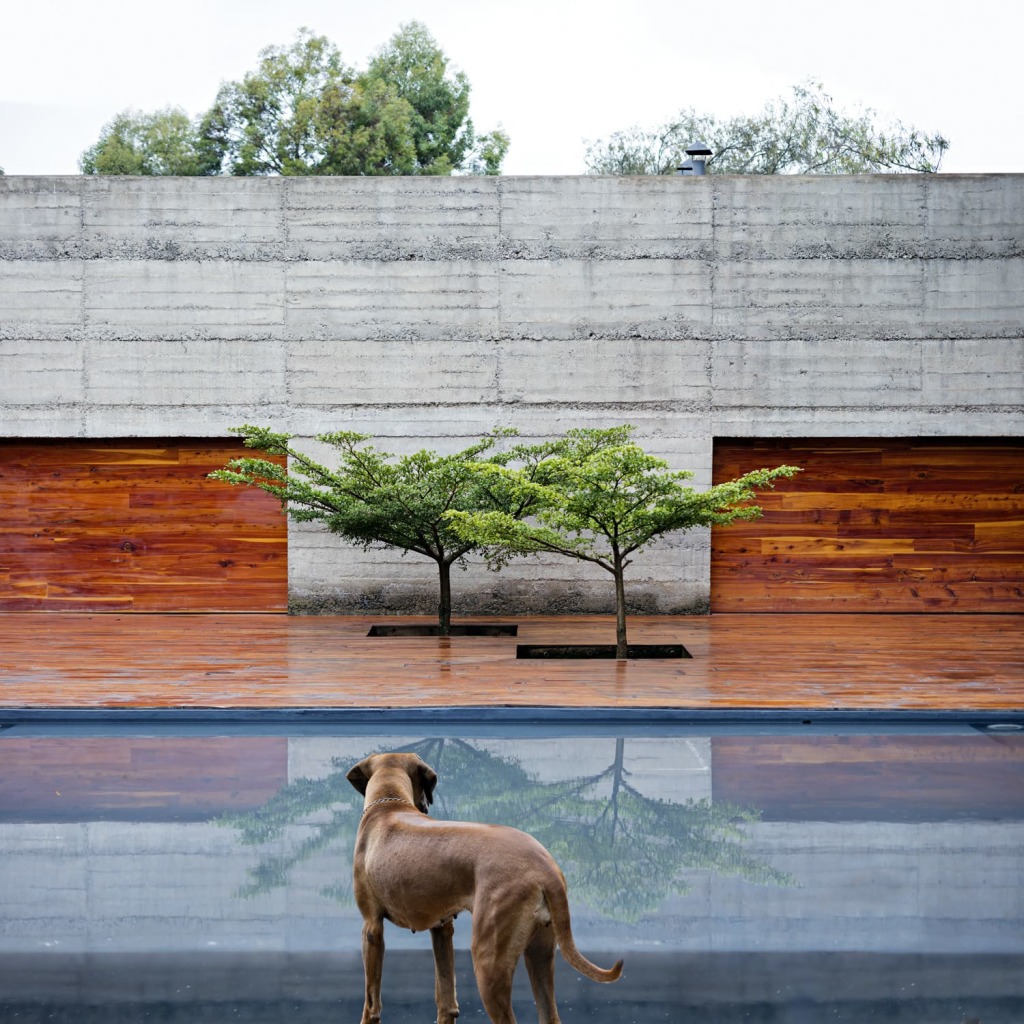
(879, 662)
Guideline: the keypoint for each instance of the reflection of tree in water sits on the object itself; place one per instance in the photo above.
(622, 851)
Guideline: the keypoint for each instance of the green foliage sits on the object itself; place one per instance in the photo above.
(416, 67)
(489, 153)
(377, 499)
(164, 142)
(304, 111)
(597, 496)
(621, 851)
(366, 130)
(806, 134)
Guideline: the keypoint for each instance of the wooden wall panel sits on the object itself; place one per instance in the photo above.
(135, 526)
(875, 525)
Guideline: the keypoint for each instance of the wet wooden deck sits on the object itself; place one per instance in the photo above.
(883, 662)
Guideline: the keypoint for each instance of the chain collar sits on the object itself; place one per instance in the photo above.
(387, 800)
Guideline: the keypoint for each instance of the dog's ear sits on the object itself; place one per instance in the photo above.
(359, 775)
(428, 780)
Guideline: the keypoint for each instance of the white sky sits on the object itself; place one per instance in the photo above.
(554, 72)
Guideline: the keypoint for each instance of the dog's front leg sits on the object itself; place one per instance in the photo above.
(373, 963)
(444, 972)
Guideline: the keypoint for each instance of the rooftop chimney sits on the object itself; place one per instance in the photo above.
(698, 153)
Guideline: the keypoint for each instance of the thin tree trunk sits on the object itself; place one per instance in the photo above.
(621, 647)
(444, 603)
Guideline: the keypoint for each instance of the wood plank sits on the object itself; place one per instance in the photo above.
(852, 661)
(123, 524)
(918, 525)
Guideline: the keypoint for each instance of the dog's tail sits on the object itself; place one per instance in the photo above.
(558, 907)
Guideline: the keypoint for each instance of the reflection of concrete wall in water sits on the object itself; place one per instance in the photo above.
(426, 310)
(107, 886)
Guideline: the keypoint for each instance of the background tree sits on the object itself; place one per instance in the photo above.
(599, 497)
(366, 130)
(377, 499)
(303, 110)
(806, 134)
(163, 142)
(489, 153)
(272, 121)
(418, 69)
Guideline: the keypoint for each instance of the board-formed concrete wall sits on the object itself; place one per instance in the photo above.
(427, 310)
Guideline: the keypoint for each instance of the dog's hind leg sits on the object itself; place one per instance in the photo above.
(496, 951)
(444, 973)
(540, 966)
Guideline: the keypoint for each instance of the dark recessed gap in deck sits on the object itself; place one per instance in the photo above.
(463, 629)
(634, 652)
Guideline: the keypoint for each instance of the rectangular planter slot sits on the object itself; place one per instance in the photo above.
(633, 651)
(463, 629)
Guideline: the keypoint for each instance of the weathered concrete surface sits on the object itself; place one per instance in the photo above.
(425, 311)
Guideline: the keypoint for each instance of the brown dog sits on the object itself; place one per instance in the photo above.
(419, 873)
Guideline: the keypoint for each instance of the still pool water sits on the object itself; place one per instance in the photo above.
(746, 873)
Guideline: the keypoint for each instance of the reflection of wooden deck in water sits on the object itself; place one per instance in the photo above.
(899, 662)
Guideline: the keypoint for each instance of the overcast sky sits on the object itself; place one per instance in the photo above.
(554, 73)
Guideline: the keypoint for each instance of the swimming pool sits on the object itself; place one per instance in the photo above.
(746, 871)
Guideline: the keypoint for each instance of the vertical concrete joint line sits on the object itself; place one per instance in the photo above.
(285, 229)
(85, 186)
(713, 267)
(499, 331)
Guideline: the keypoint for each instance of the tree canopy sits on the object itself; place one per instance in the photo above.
(803, 134)
(598, 497)
(304, 111)
(414, 67)
(163, 142)
(377, 499)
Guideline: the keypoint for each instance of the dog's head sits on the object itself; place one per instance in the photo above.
(396, 775)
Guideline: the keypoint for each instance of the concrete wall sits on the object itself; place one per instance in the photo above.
(425, 311)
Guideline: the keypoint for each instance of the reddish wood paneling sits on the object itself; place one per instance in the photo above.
(138, 778)
(135, 525)
(872, 778)
(921, 525)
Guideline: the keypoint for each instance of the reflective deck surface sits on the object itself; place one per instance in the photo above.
(170, 873)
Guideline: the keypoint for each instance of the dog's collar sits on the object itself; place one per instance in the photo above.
(387, 800)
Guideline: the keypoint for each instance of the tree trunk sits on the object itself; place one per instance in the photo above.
(621, 648)
(444, 602)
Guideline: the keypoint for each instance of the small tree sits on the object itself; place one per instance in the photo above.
(375, 499)
(598, 497)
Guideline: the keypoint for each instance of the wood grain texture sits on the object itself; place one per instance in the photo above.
(875, 526)
(902, 662)
(135, 525)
